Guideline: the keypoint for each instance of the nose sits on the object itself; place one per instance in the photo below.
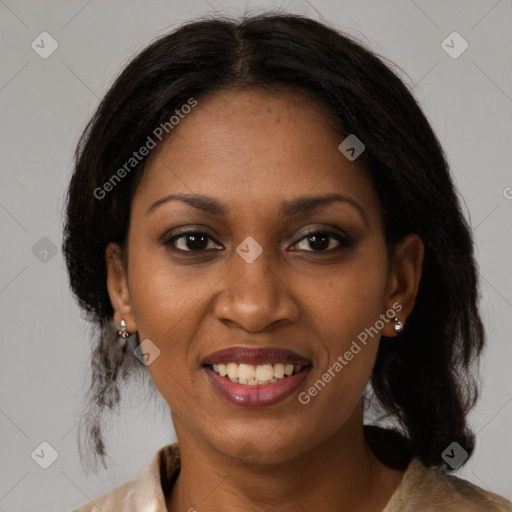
(255, 296)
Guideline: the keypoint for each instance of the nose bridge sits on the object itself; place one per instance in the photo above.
(253, 295)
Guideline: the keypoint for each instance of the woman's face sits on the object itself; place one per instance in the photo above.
(249, 277)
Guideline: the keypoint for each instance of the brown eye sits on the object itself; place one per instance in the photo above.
(323, 241)
(192, 241)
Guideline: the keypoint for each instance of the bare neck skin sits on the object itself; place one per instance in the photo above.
(342, 474)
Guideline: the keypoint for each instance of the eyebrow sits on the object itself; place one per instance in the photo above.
(288, 208)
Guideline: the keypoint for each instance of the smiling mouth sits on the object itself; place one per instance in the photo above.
(254, 375)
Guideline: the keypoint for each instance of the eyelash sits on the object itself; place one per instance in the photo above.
(344, 241)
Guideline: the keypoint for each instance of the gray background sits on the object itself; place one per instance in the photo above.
(45, 104)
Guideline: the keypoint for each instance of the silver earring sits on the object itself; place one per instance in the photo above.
(122, 332)
(398, 325)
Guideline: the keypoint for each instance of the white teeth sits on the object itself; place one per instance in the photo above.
(245, 371)
(264, 372)
(288, 369)
(253, 375)
(232, 371)
(279, 370)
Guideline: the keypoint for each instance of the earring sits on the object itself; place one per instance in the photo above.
(398, 325)
(122, 332)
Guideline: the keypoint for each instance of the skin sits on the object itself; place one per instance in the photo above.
(251, 151)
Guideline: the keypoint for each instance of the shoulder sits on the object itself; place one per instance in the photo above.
(431, 490)
(119, 499)
(147, 491)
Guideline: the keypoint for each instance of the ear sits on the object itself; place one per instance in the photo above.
(117, 285)
(404, 280)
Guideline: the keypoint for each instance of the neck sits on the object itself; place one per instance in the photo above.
(340, 474)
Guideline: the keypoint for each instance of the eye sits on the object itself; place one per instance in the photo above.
(191, 241)
(317, 241)
(322, 241)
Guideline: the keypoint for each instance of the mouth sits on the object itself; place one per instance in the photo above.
(255, 377)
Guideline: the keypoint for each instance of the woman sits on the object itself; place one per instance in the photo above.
(261, 216)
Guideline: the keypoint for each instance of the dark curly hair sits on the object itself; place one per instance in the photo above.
(423, 380)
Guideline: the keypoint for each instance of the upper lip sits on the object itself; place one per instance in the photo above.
(263, 355)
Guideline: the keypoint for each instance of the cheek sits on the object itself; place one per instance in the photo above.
(168, 304)
(164, 295)
(349, 298)
(347, 307)
(350, 346)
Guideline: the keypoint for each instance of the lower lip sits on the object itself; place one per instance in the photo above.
(259, 395)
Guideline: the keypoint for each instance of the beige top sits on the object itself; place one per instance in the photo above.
(421, 489)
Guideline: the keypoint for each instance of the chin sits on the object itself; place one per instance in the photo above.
(256, 446)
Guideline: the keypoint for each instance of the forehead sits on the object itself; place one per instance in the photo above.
(254, 147)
